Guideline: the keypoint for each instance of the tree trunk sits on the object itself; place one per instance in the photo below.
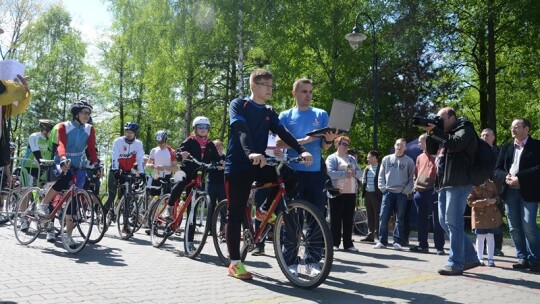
(491, 118)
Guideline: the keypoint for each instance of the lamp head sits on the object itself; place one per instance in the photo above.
(355, 37)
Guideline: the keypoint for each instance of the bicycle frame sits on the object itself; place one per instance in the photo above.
(195, 184)
(261, 232)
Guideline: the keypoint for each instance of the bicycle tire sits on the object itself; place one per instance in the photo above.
(310, 239)
(197, 222)
(99, 220)
(142, 209)
(10, 200)
(360, 222)
(127, 217)
(80, 208)
(219, 226)
(159, 227)
(26, 211)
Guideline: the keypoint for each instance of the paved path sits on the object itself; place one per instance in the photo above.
(117, 271)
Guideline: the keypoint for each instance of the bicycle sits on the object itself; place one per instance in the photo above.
(197, 222)
(127, 209)
(148, 204)
(77, 210)
(360, 219)
(92, 177)
(300, 233)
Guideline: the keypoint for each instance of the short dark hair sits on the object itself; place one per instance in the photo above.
(259, 74)
(374, 153)
(526, 122)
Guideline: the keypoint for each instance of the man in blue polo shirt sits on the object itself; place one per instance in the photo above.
(299, 120)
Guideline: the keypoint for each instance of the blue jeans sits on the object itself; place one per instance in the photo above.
(522, 223)
(390, 202)
(452, 202)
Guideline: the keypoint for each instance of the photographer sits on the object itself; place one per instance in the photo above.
(454, 141)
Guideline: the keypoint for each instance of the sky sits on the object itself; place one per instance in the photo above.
(92, 19)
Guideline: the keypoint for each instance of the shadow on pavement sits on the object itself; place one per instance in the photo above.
(504, 280)
(102, 255)
(348, 292)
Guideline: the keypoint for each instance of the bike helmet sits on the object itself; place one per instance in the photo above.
(200, 120)
(46, 124)
(161, 135)
(79, 105)
(132, 126)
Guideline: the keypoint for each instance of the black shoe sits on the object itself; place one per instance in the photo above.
(535, 267)
(440, 252)
(449, 270)
(419, 249)
(367, 239)
(468, 266)
(258, 251)
(522, 264)
(499, 252)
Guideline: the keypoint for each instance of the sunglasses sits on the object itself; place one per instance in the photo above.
(203, 127)
(345, 144)
(85, 112)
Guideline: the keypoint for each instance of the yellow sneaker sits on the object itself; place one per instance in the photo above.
(239, 271)
(261, 215)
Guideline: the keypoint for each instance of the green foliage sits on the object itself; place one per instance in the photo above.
(166, 62)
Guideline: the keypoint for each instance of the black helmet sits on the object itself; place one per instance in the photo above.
(132, 126)
(46, 124)
(161, 136)
(79, 105)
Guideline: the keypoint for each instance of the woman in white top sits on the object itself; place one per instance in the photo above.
(345, 173)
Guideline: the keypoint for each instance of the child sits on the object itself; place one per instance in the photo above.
(486, 220)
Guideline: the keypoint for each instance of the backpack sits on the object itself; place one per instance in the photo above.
(484, 162)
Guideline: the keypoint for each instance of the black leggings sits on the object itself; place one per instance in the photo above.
(237, 187)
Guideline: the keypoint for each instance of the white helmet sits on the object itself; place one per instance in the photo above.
(161, 135)
(200, 120)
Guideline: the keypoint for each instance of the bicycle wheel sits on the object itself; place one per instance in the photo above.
(8, 202)
(360, 222)
(142, 208)
(77, 221)
(127, 216)
(197, 226)
(302, 238)
(99, 220)
(26, 222)
(159, 228)
(219, 227)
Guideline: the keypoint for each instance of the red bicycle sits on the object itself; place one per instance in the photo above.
(197, 222)
(74, 211)
(302, 238)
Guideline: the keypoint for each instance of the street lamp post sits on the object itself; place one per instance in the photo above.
(354, 39)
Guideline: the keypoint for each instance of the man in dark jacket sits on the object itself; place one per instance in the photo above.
(518, 168)
(455, 142)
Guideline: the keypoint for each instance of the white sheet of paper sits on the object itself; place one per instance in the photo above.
(10, 68)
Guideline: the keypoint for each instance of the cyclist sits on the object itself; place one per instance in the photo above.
(38, 149)
(250, 121)
(162, 162)
(199, 147)
(73, 138)
(127, 151)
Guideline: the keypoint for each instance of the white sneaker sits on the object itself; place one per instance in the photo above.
(397, 246)
(51, 236)
(24, 226)
(313, 269)
(167, 213)
(293, 269)
(43, 210)
(71, 242)
(351, 249)
(379, 245)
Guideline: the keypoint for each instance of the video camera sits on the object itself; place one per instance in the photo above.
(425, 121)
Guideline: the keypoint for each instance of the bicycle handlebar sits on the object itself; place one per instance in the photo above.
(274, 161)
(210, 166)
